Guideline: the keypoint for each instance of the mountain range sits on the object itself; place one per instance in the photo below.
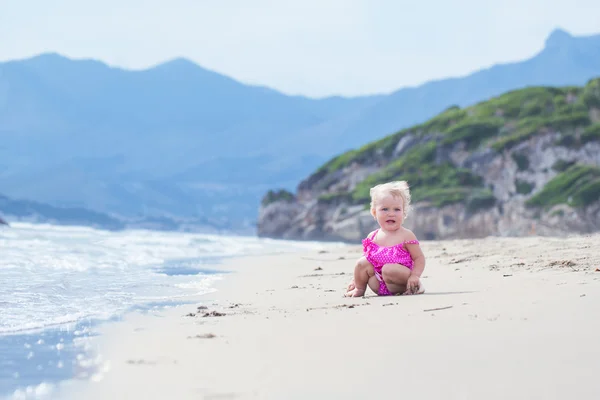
(180, 142)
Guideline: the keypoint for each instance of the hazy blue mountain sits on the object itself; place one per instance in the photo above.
(564, 61)
(181, 141)
(38, 212)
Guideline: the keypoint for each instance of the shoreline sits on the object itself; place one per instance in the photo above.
(500, 317)
(89, 277)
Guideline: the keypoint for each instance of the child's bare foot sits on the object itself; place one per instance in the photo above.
(356, 292)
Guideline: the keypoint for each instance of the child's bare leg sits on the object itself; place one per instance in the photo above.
(395, 277)
(352, 285)
(363, 271)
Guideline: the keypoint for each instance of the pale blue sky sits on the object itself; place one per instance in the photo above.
(311, 47)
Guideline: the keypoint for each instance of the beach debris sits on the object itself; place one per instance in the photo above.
(202, 308)
(562, 263)
(317, 274)
(319, 268)
(583, 295)
(213, 314)
(507, 275)
(330, 290)
(461, 260)
(438, 309)
(140, 362)
(294, 287)
(323, 251)
(236, 305)
(208, 314)
(203, 336)
(597, 270)
(338, 306)
(341, 258)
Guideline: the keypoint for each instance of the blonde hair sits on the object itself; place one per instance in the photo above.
(395, 189)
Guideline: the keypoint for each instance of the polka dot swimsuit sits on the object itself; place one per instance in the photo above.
(378, 256)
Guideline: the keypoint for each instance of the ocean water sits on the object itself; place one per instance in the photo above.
(58, 283)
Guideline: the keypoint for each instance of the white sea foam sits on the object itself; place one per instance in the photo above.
(42, 391)
(56, 275)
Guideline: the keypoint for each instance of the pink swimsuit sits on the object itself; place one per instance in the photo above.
(379, 256)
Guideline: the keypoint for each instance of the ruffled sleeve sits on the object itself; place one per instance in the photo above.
(366, 246)
(411, 242)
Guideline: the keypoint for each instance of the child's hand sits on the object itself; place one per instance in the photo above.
(412, 285)
(351, 285)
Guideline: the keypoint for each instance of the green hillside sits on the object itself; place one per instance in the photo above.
(498, 124)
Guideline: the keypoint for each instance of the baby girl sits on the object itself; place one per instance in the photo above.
(393, 260)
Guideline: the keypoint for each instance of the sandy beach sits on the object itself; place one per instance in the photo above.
(502, 318)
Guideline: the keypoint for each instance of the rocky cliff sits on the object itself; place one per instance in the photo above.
(526, 162)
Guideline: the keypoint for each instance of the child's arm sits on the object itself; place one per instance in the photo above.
(412, 286)
(416, 254)
(418, 259)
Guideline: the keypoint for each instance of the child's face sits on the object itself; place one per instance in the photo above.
(389, 212)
